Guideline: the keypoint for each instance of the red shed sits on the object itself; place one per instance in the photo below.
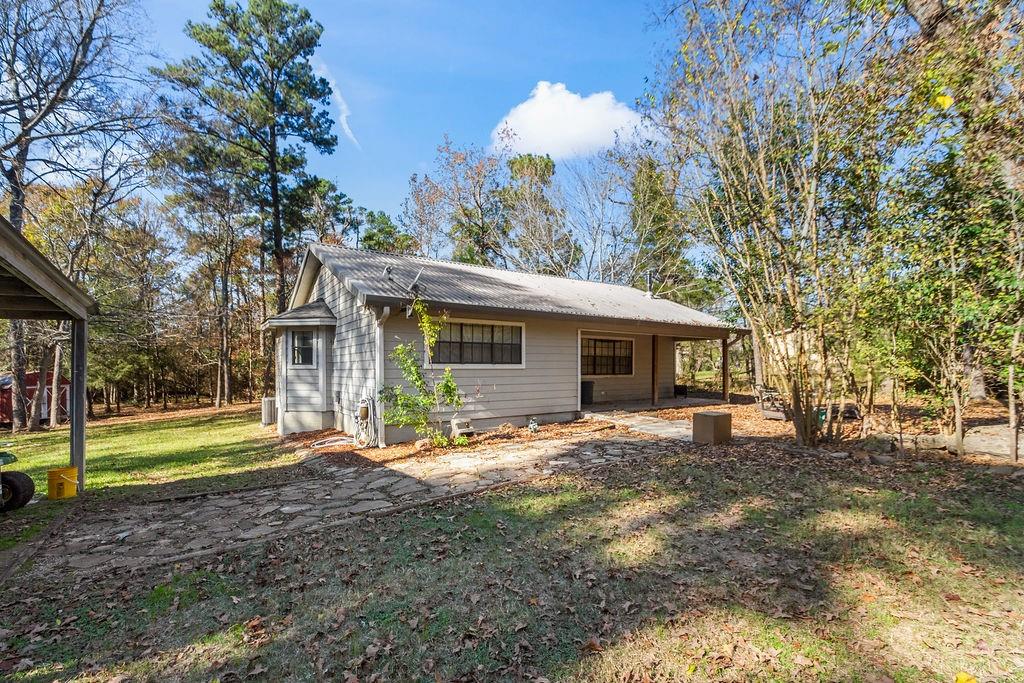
(31, 383)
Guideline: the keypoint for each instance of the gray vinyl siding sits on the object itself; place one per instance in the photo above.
(304, 385)
(546, 385)
(303, 389)
(352, 353)
(279, 376)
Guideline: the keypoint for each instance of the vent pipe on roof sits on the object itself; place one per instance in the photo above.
(415, 287)
(650, 284)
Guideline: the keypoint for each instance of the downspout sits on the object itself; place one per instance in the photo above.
(378, 372)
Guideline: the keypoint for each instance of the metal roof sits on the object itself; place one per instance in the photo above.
(391, 278)
(314, 313)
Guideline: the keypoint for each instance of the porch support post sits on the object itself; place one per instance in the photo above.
(79, 344)
(725, 370)
(654, 369)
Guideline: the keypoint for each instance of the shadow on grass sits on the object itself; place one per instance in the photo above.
(586, 575)
(206, 452)
(148, 459)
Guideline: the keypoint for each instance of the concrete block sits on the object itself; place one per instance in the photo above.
(462, 426)
(712, 426)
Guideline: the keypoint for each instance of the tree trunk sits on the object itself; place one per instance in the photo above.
(268, 368)
(263, 297)
(55, 385)
(219, 384)
(758, 362)
(1011, 394)
(16, 332)
(38, 400)
(827, 424)
(748, 361)
(225, 335)
(895, 414)
(802, 404)
(868, 414)
(228, 389)
(19, 412)
(250, 391)
(798, 414)
(1014, 426)
(277, 225)
(958, 422)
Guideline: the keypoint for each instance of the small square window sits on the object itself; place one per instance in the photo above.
(302, 348)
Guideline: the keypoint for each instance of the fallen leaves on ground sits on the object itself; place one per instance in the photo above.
(741, 579)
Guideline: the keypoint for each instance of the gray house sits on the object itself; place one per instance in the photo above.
(519, 345)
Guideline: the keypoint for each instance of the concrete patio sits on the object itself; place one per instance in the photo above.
(629, 414)
(646, 405)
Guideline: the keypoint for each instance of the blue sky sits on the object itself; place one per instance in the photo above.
(412, 71)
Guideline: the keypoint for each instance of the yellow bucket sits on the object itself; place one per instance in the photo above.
(62, 483)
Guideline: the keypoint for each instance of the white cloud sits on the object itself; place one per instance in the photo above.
(343, 111)
(564, 124)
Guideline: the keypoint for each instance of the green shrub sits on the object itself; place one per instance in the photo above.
(411, 405)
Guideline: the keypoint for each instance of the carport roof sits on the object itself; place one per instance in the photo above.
(33, 288)
(392, 279)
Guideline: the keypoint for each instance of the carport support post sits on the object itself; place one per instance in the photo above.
(79, 343)
(725, 370)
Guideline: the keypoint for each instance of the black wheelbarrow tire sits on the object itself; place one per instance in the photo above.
(18, 489)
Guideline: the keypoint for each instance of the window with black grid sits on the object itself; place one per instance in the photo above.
(479, 344)
(606, 356)
(303, 348)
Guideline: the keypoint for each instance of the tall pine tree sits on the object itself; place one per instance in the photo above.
(254, 70)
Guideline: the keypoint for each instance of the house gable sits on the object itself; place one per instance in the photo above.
(352, 349)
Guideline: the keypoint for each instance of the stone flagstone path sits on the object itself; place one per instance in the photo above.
(153, 533)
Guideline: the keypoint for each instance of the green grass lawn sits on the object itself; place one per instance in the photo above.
(711, 564)
(151, 456)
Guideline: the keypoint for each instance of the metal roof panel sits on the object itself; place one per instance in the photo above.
(447, 283)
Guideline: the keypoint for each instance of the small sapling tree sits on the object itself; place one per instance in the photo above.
(419, 402)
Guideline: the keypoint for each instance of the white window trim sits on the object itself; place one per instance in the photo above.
(290, 334)
(427, 365)
(602, 337)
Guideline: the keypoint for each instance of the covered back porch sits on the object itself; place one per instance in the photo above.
(633, 367)
(646, 405)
